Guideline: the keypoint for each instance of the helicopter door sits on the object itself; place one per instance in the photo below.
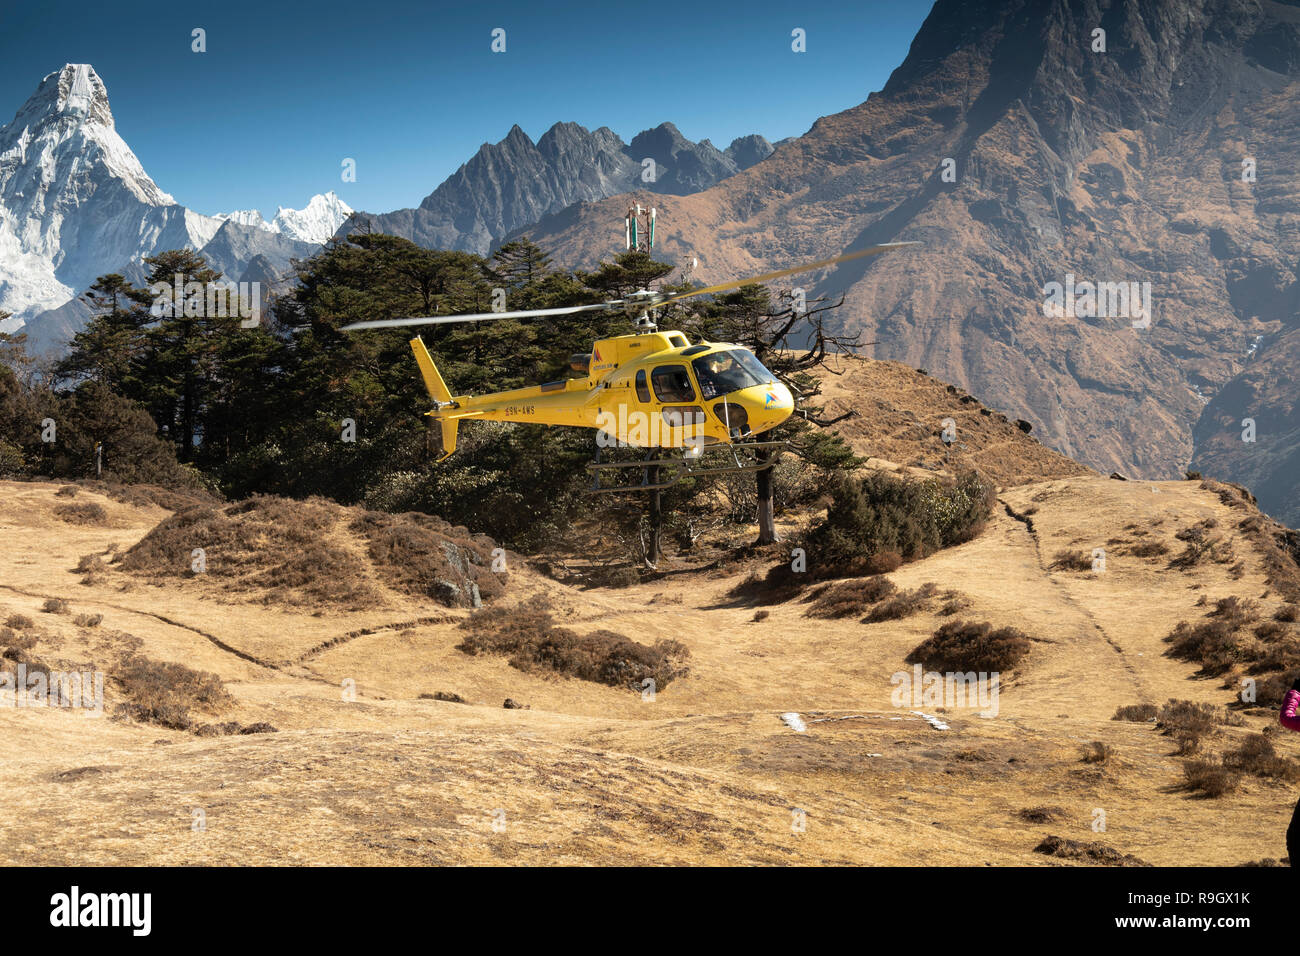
(672, 384)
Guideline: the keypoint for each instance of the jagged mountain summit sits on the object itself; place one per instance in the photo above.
(1024, 154)
(316, 222)
(513, 183)
(76, 203)
(74, 197)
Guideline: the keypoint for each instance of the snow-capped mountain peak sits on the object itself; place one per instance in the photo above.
(316, 222)
(75, 203)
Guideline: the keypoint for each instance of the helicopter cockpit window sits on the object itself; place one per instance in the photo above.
(725, 372)
(642, 389)
(672, 384)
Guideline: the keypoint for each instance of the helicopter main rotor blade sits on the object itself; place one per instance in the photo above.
(807, 267)
(478, 317)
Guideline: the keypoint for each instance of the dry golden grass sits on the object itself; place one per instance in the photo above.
(369, 766)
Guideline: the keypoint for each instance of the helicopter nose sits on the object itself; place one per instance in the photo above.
(773, 404)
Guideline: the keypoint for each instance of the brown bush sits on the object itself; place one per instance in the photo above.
(970, 646)
(1287, 613)
(164, 693)
(529, 635)
(1091, 852)
(422, 555)
(445, 696)
(145, 494)
(1067, 560)
(954, 602)
(850, 598)
(883, 562)
(296, 551)
(67, 491)
(88, 620)
(1210, 778)
(1200, 546)
(1136, 713)
(1214, 642)
(55, 606)
(83, 512)
(1271, 630)
(1041, 814)
(1148, 549)
(1096, 752)
(19, 622)
(901, 605)
(1188, 716)
(1258, 757)
(90, 564)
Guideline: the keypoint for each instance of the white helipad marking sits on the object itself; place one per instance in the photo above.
(933, 721)
(794, 722)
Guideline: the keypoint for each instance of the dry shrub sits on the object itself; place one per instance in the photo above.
(1276, 544)
(289, 550)
(1214, 643)
(445, 696)
(1258, 757)
(1147, 549)
(143, 495)
(19, 622)
(88, 620)
(83, 512)
(90, 564)
(1287, 613)
(17, 648)
(1096, 752)
(901, 605)
(971, 646)
(1041, 814)
(1189, 721)
(760, 616)
(850, 598)
(1089, 852)
(67, 491)
(530, 636)
(1200, 546)
(164, 693)
(1209, 777)
(1188, 716)
(55, 606)
(1136, 713)
(1067, 560)
(954, 602)
(232, 727)
(422, 555)
(1270, 631)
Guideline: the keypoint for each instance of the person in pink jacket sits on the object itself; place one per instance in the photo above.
(1290, 719)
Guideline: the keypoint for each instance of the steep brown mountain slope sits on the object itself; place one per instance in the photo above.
(1122, 166)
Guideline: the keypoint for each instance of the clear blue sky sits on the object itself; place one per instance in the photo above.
(287, 90)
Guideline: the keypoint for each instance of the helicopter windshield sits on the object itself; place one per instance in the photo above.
(725, 372)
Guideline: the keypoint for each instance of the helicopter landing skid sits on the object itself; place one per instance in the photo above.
(741, 457)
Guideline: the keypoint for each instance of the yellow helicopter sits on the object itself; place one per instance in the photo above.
(649, 390)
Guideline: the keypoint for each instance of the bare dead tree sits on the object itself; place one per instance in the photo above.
(791, 337)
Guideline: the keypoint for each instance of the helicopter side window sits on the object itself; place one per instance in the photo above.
(642, 389)
(672, 384)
